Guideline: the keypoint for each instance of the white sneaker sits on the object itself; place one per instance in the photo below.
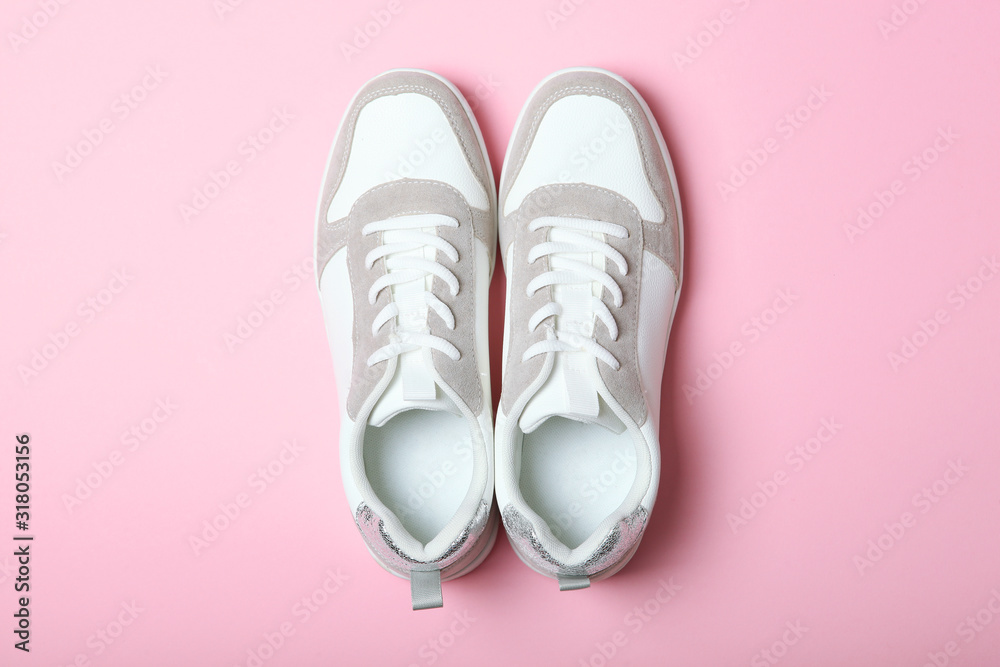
(590, 232)
(404, 254)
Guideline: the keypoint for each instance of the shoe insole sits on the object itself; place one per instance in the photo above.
(573, 475)
(419, 463)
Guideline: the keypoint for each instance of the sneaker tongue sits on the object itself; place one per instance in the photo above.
(411, 388)
(568, 392)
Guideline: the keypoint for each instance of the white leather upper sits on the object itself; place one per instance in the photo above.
(384, 149)
(656, 287)
(338, 313)
(586, 139)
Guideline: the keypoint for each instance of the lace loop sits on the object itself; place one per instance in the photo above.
(403, 250)
(576, 236)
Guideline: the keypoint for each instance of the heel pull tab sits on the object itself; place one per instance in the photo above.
(425, 589)
(573, 583)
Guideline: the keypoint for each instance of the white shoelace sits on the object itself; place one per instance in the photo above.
(405, 238)
(576, 236)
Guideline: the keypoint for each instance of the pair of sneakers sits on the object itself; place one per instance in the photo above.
(589, 225)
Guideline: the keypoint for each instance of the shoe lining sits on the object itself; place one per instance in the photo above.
(419, 464)
(573, 475)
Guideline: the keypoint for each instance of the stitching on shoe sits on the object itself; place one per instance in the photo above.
(586, 186)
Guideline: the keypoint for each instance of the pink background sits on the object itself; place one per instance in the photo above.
(166, 330)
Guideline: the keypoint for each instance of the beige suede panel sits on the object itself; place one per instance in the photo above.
(519, 374)
(663, 240)
(461, 375)
(407, 197)
(364, 378)
(578, 200)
